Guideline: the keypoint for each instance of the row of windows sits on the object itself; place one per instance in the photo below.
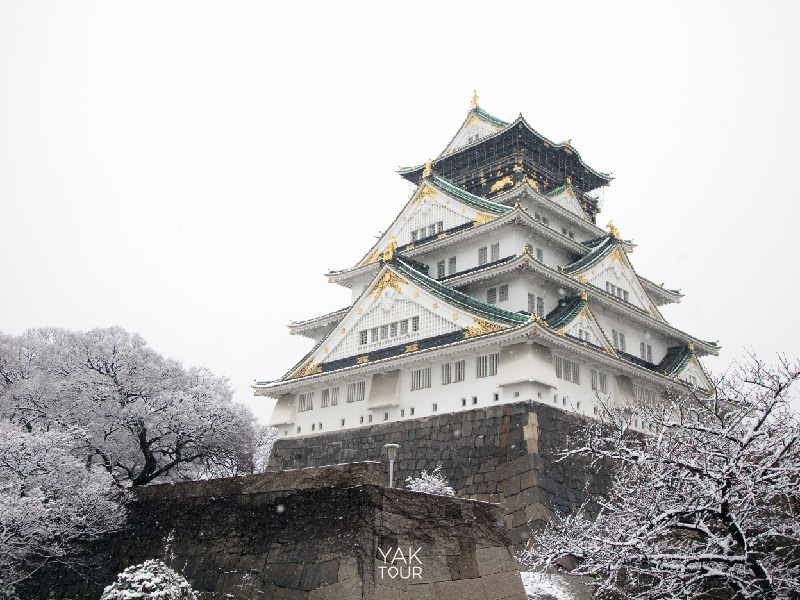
(642, 393)
(491, 294)
(454, 372)
(485, 366)
(420, 379)
(617, 291)
(568, 370)
(541, 218)
(584, 335)
(451, 267)
(567, 232)
(390, 330)
(618, 340)
(599, 382)
(428, 231)
(330, 396)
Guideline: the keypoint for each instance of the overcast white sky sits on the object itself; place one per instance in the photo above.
(189, 170)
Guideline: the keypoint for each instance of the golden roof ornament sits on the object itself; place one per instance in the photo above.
(612, 230)
(691, 346)
(389, 253)
(526, 249)
(517, 204)
(584, 296)
(475, 99)
(428, 169)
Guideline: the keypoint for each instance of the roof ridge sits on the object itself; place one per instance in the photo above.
(449, 187)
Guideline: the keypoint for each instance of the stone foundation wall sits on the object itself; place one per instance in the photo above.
(505, 453)
(314, 534)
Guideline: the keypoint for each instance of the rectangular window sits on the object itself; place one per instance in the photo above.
(496, 251)
(355, 391)
(491, 295)
(564, 230)
(463, 402)
(537, 216)
(615, 338)
(369, 418)
(603, 383)
(487, 365)
(545, 221)
(414, 237)
(393, 329)
(440, 227)
(451, 265)
(374, 334)
(576, 373)
(384, 332)
(306, 402)
(460, 370)
(402, 412)
(540, 307)
(649, 353)
(531, 303)
(496, 397)
(411, 411)
(420, 379)
(431, 230)
(361, 419)
(404, 327)
(540, 255)
(594, 380)
(482, 260)
(386, 416)
(504, 292)
(313, 426)
(440, 269)
(363, 337)
(643, 393)
(326, 398)
(622, 341)
(414, 323)
(446, 367)
(474, 400)
(625, 295)
(334, 396)
(434, 407)
(572, 237)
(567, 370)
(342, 423)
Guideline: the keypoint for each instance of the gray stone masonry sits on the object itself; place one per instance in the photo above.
(329, 533)
(505, 453)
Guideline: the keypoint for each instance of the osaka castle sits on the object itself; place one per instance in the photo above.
(493, 284)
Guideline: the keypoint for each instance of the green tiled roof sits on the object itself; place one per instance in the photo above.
(600, 249)
(485, 116)
(556, 191)
(564, 313)
(456, 298)
(675, 360)
(464, 196)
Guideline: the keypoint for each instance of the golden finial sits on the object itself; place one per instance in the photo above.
(428, 169)
(517, 205)
(584, 296)
(569, 180)
(691, 346)
(475, 99)
(569, 142)
(389, 253)
(526, 249)
(612, 230)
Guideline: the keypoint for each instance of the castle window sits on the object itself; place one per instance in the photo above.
(411, 411)
(643, 393)
(545, 221)
(361, 419)
(440, 269)
(313, 426)
(326, 398)
(431, 230)
(487, 365)
(414, 236)
(474, 400)
(414, 323)
(402, 412)
(341, 425)
(618, 339)
(369, 418)
(355, 391)
(386, 416)
(393, 329)
(446, 367)
(540, 307)
(306, 402)
(691, 380)
(482, 259)
(404, 327)
(451, 265)
(384, 332)
(491, 295)
(434, 407)
(584, 335)
(334, 396)
(440, 227)
(646, 351)
(531, 303)
(540, 255)
(504, 292)
(516, 395)
(599, 382)
(460, 370)
(363, 337)
(568, 370)
(420, 379)
(463, 402)
(298, 430)
(496, 251)
(320, 426)
(374, 333)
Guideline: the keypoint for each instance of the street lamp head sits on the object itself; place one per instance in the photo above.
(392, 450)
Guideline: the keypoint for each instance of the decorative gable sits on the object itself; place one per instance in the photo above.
(566, 199)
(694, 375)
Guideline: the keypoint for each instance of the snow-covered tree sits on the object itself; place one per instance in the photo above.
(142, 417)
(48, 500)
(150, 580)
(705, 506)
(433, 483)
(265, 440)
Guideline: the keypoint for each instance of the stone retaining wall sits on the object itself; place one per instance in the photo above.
(315, 534)
(506, 453)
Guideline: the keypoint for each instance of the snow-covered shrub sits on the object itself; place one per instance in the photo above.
(150, 580)
(543, 586)
(433, 483)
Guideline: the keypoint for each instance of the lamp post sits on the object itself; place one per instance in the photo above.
(392, 451)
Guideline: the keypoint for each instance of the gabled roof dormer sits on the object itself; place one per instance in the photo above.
(477, 125)
(681, 363)
(566, 197)
(574, 318)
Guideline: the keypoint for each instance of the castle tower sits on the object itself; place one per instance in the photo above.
(493, 285)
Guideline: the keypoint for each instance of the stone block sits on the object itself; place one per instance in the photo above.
(502, 586)
(463, 589)
(289, 594)
(319, 574)
(286, 575)
(490, 560)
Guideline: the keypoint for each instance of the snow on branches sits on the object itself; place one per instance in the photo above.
(433, 483)
(147, 581)
(706, 506)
